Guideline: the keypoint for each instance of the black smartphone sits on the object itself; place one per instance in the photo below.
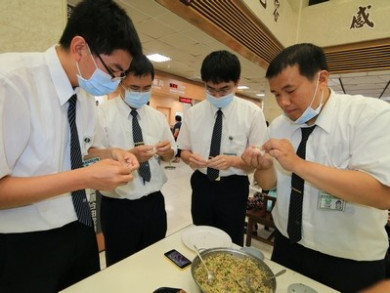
(167, 290)
(177, 258)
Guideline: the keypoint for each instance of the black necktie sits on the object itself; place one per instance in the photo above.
(294, 228)
(144, 169)
(79, 197)
(215, 146)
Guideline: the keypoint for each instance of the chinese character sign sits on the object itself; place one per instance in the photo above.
(276, 5)
(276, 12)
(362, 18)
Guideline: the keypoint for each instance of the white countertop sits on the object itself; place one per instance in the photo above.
(149, 269)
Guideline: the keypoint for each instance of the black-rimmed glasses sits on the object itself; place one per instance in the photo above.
(110, 72)
(222, 91)
(136, 89)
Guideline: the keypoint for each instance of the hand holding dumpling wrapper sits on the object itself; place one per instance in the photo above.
(261, 151)
(257, 157)
(153, 151)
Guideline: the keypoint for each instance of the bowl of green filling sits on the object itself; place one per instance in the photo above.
(234, 271)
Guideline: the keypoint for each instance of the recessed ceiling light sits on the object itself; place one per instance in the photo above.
(242, 87)
(158, 58)
(260, 95)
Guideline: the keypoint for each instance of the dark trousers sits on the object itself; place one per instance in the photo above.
(342, 274)
(221, 204)
(47, 261)
(131, 225)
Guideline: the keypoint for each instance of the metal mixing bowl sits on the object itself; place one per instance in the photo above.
(236, 253)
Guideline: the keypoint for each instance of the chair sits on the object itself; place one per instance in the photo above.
(261, 216)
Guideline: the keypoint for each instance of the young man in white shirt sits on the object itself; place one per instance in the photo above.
(47, 239)
(133, 216)
(220, 201)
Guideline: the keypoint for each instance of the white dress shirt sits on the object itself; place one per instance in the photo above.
(243, 124)
(351, 134)
(115, 130)
(35, 133)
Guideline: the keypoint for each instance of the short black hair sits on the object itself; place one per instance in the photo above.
(178, 118)
(141, 66)
(104, 25)
(220, 66)
(309, 58)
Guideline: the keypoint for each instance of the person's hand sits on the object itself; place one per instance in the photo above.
(107, 174)
(196, 161)
(126, 158)
(257, 158)
(283, 151)
(144, 152)
(163, 148)
(220, 162)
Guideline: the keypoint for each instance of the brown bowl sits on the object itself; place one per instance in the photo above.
(237, 254)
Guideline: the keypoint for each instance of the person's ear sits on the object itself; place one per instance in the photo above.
(324, 77)
(78, 47)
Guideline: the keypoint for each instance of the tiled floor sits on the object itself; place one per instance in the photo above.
(177, 193)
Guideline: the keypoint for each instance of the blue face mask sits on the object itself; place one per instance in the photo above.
(310, 113)
(221, 101)
(137, 99)
(99, 84)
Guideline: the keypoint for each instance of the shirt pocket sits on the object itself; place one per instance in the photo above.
(234, 144)
(336, 155)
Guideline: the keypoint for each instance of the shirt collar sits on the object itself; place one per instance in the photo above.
(325, 118)
(125, 109)
(58, 75)
(225, 110)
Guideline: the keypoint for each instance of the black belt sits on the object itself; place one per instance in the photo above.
(222, 178)
(156, 193)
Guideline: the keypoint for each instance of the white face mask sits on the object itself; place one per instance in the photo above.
(310, 113)
(99, 84)
(137, 99)
(221, 101)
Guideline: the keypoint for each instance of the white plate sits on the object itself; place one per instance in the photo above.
(253, 251)
(205, 237)
(300, 288)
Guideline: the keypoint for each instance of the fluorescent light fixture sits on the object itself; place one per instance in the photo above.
(242, 87)
(158, 58)
(260, 95)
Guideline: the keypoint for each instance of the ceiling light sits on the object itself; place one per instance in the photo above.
(260, 95)
(158, 58)
(242, 87)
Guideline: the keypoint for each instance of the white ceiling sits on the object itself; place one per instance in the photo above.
(371, 84)
(163, 32)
